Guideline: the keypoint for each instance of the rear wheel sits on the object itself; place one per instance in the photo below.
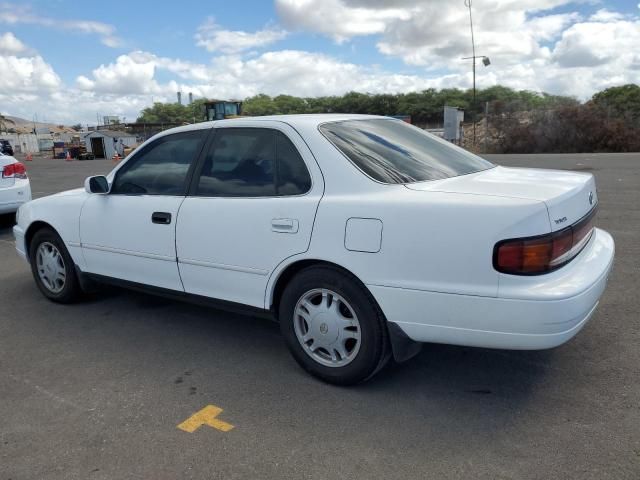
(332, 326)
(53, 268)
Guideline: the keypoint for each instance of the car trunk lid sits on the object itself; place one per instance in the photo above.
(569, 196)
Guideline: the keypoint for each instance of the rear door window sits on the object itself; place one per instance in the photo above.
(252, 162)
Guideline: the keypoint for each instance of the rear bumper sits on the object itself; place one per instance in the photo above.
(12, 197)
(530, 313)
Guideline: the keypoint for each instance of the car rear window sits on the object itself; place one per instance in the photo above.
(392, 151)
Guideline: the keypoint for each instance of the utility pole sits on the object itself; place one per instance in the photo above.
(485, 61)
(473, 68)
(486, 126)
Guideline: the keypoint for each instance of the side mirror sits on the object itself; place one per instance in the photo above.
(97, 184)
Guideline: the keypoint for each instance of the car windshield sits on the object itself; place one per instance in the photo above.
(392, 151)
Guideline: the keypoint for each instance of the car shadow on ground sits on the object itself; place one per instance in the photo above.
(472, 372)
(445, 391)
(485, 388)
(445, 370)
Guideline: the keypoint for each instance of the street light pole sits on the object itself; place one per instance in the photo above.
(486, 62)
(473, 67)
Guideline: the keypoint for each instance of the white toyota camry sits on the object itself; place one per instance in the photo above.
(362, 235)
(14, 184)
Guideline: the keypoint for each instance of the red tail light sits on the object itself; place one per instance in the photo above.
(14, 170)
(544, 253)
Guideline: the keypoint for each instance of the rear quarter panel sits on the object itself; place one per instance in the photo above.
(431, 241)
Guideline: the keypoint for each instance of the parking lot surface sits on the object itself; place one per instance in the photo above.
(107, 388)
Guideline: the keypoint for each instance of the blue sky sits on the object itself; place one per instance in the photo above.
(116, 57)
(165, 30)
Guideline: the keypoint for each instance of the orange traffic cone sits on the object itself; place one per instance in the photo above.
(68, 158)
(29, 157)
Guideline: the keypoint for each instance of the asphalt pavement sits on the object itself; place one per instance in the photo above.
(107, 388)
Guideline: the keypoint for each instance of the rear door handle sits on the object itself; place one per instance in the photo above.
(163, 218)
(284, 225)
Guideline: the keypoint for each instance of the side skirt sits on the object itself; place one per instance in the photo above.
(402, 347)
(89, 282)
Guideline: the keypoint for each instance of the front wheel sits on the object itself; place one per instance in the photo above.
(53, 268)
(332, 326)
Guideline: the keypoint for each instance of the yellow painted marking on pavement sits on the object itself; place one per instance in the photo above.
(206, 416)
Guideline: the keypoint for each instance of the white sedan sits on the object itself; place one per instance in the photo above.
(364, 236)
(14, 184)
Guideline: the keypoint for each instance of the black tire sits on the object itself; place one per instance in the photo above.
(70, 290)
(374, 350)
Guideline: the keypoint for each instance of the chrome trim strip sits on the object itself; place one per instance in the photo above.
(222, 266)
(120, 251)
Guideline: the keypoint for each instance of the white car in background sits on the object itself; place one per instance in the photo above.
(362, 235)
(14, 184)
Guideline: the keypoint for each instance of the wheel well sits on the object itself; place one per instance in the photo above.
(402, 347)
(31, 231)
(291, 271)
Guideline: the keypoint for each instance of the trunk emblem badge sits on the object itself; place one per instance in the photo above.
(590, 198)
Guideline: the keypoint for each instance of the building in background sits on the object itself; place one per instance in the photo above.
(453, 118)
(105, 143)
(111, 120)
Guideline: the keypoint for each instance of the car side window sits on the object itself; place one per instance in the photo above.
(252, 162)
(161, 167)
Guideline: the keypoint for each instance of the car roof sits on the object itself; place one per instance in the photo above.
(308, 121)
(311, 119)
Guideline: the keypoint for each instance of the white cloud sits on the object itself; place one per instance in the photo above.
(434, 34)
(13, 14)
(591, 44)
(604, 15)
(338, 20)
(27, 75)
(10, 45)
(304, 74)
(130, 74)
(216, 39)
(134, 74)
(530, 48)
(24, 72)
(506, 32)
(549, 27)
(287, 71)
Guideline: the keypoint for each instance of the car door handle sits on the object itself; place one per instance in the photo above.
(284, 225)
(163, 218)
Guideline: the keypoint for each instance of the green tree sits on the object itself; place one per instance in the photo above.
(166, 113)
(620, 102)
(286, 104)
(259, 105)
(425, 107)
